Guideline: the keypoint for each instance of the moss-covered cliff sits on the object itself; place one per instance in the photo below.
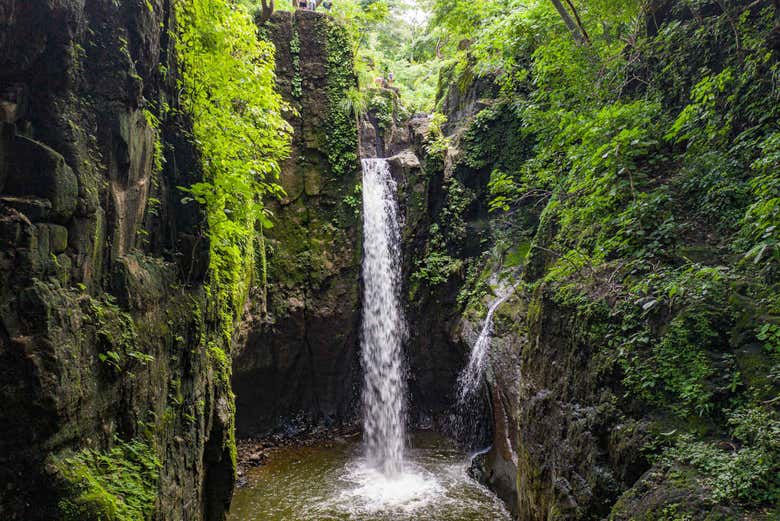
(113, 378)
(634, 374)
(298, 364)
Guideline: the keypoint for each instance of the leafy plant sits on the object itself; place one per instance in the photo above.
(228, 89)
(437, 143)
(118, 484)
(340, 126)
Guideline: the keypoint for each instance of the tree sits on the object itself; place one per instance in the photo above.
(266, 10)
(576, 28)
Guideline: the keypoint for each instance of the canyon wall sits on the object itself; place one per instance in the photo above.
(298, 363)
(106, 345)
(610, 397)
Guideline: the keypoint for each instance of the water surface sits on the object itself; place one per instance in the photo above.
(332, 482)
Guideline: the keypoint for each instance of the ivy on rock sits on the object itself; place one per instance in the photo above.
(229, 91)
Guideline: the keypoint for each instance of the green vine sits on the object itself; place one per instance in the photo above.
(295, 51)
(229, 90)
(340, 126)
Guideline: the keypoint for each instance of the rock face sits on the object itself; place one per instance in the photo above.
(576, 448)
(101, 273)
(299, 360)
(447, 235)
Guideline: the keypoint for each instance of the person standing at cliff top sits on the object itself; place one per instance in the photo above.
(312, 5)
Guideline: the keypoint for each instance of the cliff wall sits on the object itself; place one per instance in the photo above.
(298, 365)
(104, 333)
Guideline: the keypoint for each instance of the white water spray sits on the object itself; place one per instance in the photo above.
(384, 402)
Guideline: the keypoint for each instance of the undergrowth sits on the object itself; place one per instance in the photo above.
(119, 484)
(229, 91)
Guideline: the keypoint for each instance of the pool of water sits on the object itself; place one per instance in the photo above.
(332, 482)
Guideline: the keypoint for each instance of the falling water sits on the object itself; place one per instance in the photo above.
(334, 483)
(471, 376)
(383, 324)
(469, 405)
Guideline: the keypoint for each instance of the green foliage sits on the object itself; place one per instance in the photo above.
(116, 335)
(502, 189)
(452, 215)
(679, 364)
(761, 223)
(436, 266)
(435, 269)
(295, 51)
(749, 474)
(340, 126)
(228, 89)
(463, 19)
(769, 334)
(475, 286)
(355, 200)
(656, 153)
(117, 485)
(383, 107)
(391, 37)
(496, 136)
(354, 102)
(437, 143)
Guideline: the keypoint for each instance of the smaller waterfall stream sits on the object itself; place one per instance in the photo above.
(471, 376)
(468, 406)
(383, 323)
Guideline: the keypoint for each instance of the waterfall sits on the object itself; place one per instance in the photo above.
(383, 328)
(470, 379)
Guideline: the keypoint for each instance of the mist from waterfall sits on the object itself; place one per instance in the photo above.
(383, 330)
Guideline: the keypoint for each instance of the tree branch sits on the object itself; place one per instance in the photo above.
(567, 19)
(579, 22)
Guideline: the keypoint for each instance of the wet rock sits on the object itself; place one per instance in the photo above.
(256, 459)
(405, 160)
(58, 237)
(131, 141)
(35, 209)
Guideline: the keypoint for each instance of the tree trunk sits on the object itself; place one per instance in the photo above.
(569, 21)
(267, 9)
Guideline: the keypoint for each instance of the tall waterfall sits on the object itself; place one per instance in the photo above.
(384, 400)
